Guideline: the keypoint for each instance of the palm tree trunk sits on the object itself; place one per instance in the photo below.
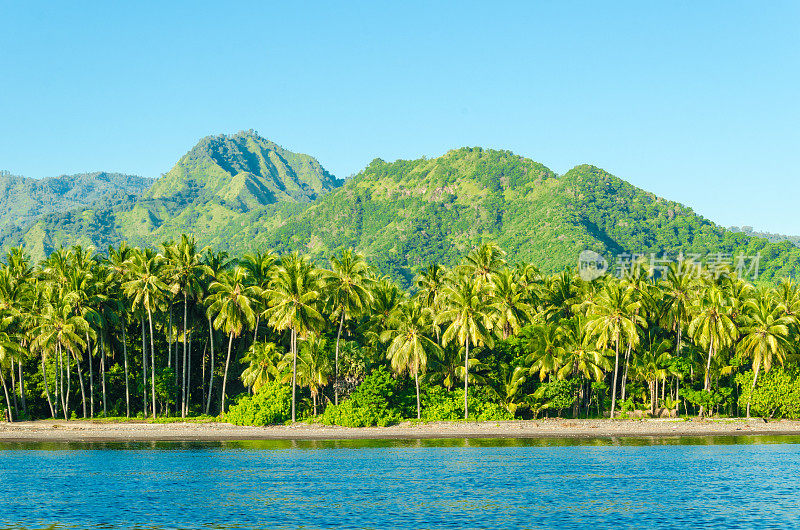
(22, 387)
(47, 388)
(210, 366)
(225, 377)
(91, 377)
(103, 372)
(183, 366)
(152, 362)
(255, 329)
(336, 362)
(707, 384)
(127, 385)
(188, 376)
(80, 380)
(416, 382)
(64, 399)
(144, 367)
(293, 347)
(752, 389)
(625, 372)
(614, 386)
(466, 378)
(14, 386)
(8, 401)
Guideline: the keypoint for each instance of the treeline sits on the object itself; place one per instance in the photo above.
(184, 331)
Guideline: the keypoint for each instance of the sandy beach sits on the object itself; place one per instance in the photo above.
(97, 431)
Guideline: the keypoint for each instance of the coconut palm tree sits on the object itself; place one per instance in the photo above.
(508, 306)
(145, 288)
(260, 267)
(765, 335)
(580, 356)
(409, 345)
(263, 362)
(543, 347)
(347, 287)
(482, 263)
(230, 301)
(216, 263)
(613, 319)
(313, 366)
(466, 316)
(294, 298)
(712, 327)
(185, 272)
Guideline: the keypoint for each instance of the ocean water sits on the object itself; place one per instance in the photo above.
(513, 483)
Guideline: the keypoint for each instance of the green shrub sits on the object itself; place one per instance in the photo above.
(270, 405)
(777, 393)
(439, 404)
(374, 402)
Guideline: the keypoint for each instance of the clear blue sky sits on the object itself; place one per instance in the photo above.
(697, 103)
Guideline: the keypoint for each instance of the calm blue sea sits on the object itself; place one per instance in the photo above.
(698, 482)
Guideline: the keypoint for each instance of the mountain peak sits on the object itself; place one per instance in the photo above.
(243, 171)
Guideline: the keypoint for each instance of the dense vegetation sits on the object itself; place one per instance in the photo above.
(267, 338)
(772, 238)
(240, 193)
(26, 200)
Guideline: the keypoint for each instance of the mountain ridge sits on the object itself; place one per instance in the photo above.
(242, 192)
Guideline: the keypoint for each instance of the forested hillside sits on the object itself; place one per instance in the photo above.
(23, 200)
(219, 180)
(242, 192)
(406, 214)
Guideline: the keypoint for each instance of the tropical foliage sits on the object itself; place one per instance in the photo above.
(183, 331)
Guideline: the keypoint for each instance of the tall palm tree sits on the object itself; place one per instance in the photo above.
(614, 321)
(467, 320)
(766, 335)
(581, 356)
(118, 268)
(231, 303)
(409, 345)
(294, 298)
(347, 286)
(543, 344)
(185, 271)
(712, 327)
(9, 351)
(482, 263)
(145, 288)
(679, 285)
(216, 263)
(509, 308)
(313, 366)
(260, 267)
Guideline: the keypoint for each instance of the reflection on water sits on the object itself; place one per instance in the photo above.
(453, 483)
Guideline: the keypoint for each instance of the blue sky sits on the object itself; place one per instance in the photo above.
(697, 103)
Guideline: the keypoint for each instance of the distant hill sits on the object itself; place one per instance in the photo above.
(243, 192)
(24, 199)
(408, 213)
(773, 238)
(219, 180)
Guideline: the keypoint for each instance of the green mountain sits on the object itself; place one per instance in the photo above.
(406, 214)
(23, 200)
(773, 238)
(220, 180)
(242, 192)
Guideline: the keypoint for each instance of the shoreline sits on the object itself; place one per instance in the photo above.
(131, 431)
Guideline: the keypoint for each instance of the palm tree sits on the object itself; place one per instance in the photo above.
(145, 289)
(614, 320)
(9, 351)
(118, 269)
(678, 289)
(263, 365)
(482, 263)
(216, 263)
(543, 344)
(712, 327)
(466, 315)
(347, 286)
(581, 356)
(185, 272)
(231, 303)
(766, 335)
(294, 297)
(260, 267)
(509, 309)
(410, 347)
(313, 366)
